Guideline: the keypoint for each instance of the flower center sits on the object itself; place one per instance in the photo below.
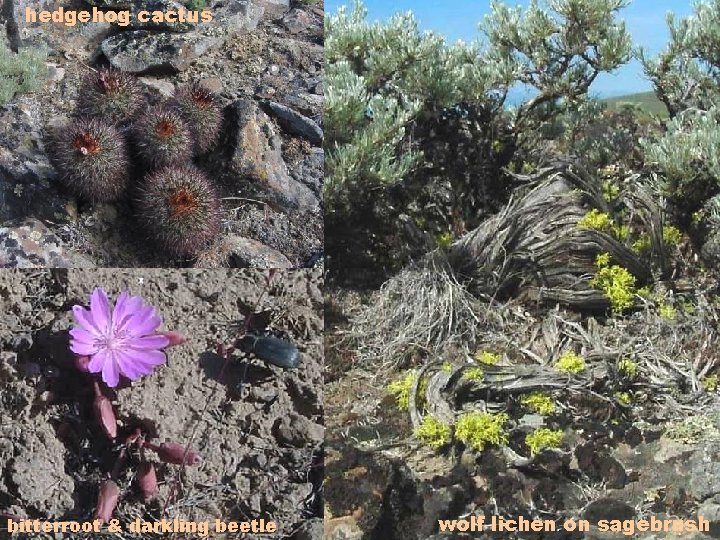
(165, 129)
(86, 144)
(182, 202)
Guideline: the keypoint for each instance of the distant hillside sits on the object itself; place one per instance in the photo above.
(647, 100)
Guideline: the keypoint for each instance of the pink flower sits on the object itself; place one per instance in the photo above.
(119, 340)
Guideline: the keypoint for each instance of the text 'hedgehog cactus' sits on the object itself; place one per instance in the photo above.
(162, 137)
(111, 95)
(92, 159)
(181, 208)
(200, 108)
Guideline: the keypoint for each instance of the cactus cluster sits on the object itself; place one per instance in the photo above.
(113, 134)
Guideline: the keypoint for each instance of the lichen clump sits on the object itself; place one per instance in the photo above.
(539, 402)
(596, 220)
(433, 433)
(474, 374)
(543, 438)
(570, 362)
(487, 358)
(616, 282)
(627, 367)
(480, 430)
(401, 390)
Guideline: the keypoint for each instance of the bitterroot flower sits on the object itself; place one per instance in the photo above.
(104, 414)
(107, 500)
(119, 340)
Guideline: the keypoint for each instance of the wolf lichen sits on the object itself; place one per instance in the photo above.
(444, 240)
(433, 432)
(401, 390)
(543, 438)
(642, 244)
(474, 374)
(488, 358)
(596, 220)
(480, 430)
(672, 235)
(616, 282)
(710, 383)
(627, 367)
(447, 367)
(570, 362)
(539, 402)
(623, 397)
(667, 311)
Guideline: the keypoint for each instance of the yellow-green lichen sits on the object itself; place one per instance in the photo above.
(610, 190)
(570, 363)
(444, 240)
(474, 374)
(539, 402)
(621, 232)
(543, 438)
(433, 433)
(615, 282)
(488, 358)
(627, 367)
(623, 397)
(480, 430)
(710, 383)
(672, 235)
(596, 220)
(447, 367)
(642, 244)
(667, 311)
(401, 390)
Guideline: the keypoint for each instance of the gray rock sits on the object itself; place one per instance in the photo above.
(298, 431)
(254, 153)
(608, 508)
(30, 244)
(144, 51)
(274, 8)
(296, 123)
(163, 87)
(711, 512)
(249, 253)
(296, 21)
(310, 530)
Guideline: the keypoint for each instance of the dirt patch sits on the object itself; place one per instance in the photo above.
(261, 441)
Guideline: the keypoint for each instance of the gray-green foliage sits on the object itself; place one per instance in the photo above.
(687, 74)
(687, 79)
(382, 77)
(20, 72)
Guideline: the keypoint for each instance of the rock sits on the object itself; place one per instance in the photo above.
(144, 51)
(298, 431)
(310, 170)
(705, 472)
(711, 512)
(30, 244)
(608, 508)
(310, 530)
(249, 253)
(252, 151)
(163, 87)
(274, 9)
(296, 21)
(296, 123)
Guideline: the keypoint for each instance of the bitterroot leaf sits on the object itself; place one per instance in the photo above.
(107, 500)
(104, 414)
(147, 480)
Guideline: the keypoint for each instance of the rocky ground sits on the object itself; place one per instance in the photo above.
(261, 442)
(264, 58)
(654, 456)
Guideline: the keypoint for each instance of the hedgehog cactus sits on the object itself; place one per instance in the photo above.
(162, 137)
(181, 208)
(200, 108)
(92, 159)
(111, 95)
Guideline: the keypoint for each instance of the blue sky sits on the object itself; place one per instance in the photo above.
(457, 19)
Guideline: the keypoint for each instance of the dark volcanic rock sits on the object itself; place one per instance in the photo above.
(30, 244)
(253, 152)
(144, 51)
(296, 123)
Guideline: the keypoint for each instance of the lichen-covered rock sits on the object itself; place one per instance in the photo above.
(249, 253)
(145, 51)
(30, 244)
(253, 151)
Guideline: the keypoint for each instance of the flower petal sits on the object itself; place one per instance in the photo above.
(131, 369)
(100, 309)
(148, 342)
(82, 335)
(143, 325)
(85, 319)
(148, 359)
(110, 371)
(83, 349)
(97, 361)
(120, 308)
